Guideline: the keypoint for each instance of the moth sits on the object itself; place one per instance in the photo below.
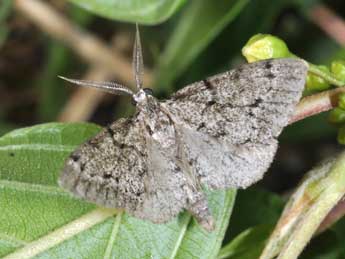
(218, 133)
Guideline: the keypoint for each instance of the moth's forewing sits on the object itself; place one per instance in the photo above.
(231, 121)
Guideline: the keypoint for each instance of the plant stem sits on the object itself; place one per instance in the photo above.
(327, 76)
(316, 103)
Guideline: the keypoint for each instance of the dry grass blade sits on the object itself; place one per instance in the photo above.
(86, 45)
(328, 21)
(106, 62)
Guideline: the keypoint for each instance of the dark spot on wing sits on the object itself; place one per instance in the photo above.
(207, 84)
(268, 64)
(93, 142)
(220, 133)
(75, 157)
(216, 80)
(201, 125)
(107, 175)
(236, 76)
(110, 131)
(270, 75)
(256, 103)
(210, 103)
(149, 130)
(11, 154)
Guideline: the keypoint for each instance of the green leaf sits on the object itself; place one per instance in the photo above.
(254, 206)
(31, 204)
(248, 244)
(5, 10)
(38, 219)
(52, 92)
(6, 127)
(188, 40)
(142, 11)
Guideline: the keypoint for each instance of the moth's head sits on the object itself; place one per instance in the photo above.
(143, 99)
(142, 96)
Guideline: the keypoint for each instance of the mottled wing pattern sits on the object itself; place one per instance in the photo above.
(108, 169)
(229, 123)
(122, 168)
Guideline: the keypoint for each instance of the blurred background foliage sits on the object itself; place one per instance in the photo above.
(183, 41)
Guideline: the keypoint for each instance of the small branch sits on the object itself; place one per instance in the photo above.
(86, 45)
(329, 22)
(316, 103)
(106, 62)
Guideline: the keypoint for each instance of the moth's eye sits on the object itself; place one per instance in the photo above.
(133, 101)
(148, 91)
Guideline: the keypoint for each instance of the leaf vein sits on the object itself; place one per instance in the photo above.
(113, 236)
(61, 234)
(181, 236)
(11, 240)
(21, 186)
(45, 147)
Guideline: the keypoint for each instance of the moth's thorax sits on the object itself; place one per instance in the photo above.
(156, 122)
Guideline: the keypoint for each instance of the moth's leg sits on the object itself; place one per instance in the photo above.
(198, 207)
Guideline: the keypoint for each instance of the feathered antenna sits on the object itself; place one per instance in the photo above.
(138, 63)
(110, 87)
(115, 88)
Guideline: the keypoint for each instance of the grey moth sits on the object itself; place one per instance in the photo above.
(218, 133)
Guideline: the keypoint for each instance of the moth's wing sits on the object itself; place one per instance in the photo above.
(115, 169)
(220, 165)
(109, 168)
(229, 123)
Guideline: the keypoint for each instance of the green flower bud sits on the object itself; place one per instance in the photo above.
(337, 116)
(338, 69)
(316, 83)
(341, 101)
(265, 46)
(341, 135)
